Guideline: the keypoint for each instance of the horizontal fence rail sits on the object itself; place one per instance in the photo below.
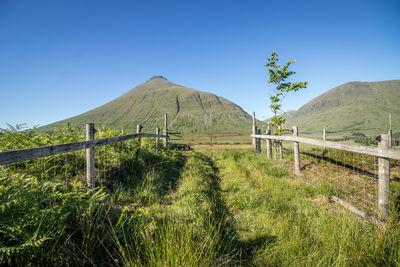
(368, 150)
(39, 152)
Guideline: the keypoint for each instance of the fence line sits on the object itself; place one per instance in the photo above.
(211, 141)
(379, 170)
(383, 152)
(18, 156)
(354, 181)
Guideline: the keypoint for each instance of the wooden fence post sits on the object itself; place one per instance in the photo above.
(165, 130)
(280, 150)
(138, 130)
(296, 152)
(157, 140)
(90, 157)
(254, 131)
(268, 143)
(390, 131)
(324, 134)
(259, 141)
(384, 175)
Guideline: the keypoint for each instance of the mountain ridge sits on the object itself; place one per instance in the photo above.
(353, 106)
(188, 109)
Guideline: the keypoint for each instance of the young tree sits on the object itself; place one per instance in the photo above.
(278, 76)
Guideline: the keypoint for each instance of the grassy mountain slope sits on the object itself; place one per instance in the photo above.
(355, 106)
(188, 110)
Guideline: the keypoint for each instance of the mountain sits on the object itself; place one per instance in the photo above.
(351, 107)
(288, 114)
(188, 110)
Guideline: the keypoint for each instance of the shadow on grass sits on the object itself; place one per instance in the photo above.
(249, 247)
(243, 250)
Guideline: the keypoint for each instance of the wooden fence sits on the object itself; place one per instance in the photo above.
(383, 152)
(223, 141)
(22, 155)
(210, 141)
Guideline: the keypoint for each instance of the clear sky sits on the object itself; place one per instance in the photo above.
(61, 58)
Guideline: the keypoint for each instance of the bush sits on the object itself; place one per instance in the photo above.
(44, 224)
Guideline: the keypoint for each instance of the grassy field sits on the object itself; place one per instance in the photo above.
(171, 209)
(294, 223)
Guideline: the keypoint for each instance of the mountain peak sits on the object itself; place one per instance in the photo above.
(157, 78)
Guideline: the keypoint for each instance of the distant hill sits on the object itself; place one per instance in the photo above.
(288, 114)
(188, 110)
(351, 107)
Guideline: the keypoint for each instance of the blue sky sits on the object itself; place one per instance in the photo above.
(61, 58)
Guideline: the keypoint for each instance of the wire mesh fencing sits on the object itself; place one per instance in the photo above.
(350, 176)
(395, 141)
(113, 161)
(209, 142)
(345, 171)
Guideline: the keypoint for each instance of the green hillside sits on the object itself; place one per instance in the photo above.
(188, 110)
(351, 107)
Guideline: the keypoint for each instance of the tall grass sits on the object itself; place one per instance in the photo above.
(191, 230)
(234, 208)
(44, 222)
(295, 223)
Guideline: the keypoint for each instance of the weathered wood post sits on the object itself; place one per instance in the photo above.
(254, 131)
(390, 131)
(324, 139)
(268, 143)
(280, 150)
(259, 141)
(157, 140)
(296, 152)
(90, 157)
(138, 130)
(384, 175)
(165, 130)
